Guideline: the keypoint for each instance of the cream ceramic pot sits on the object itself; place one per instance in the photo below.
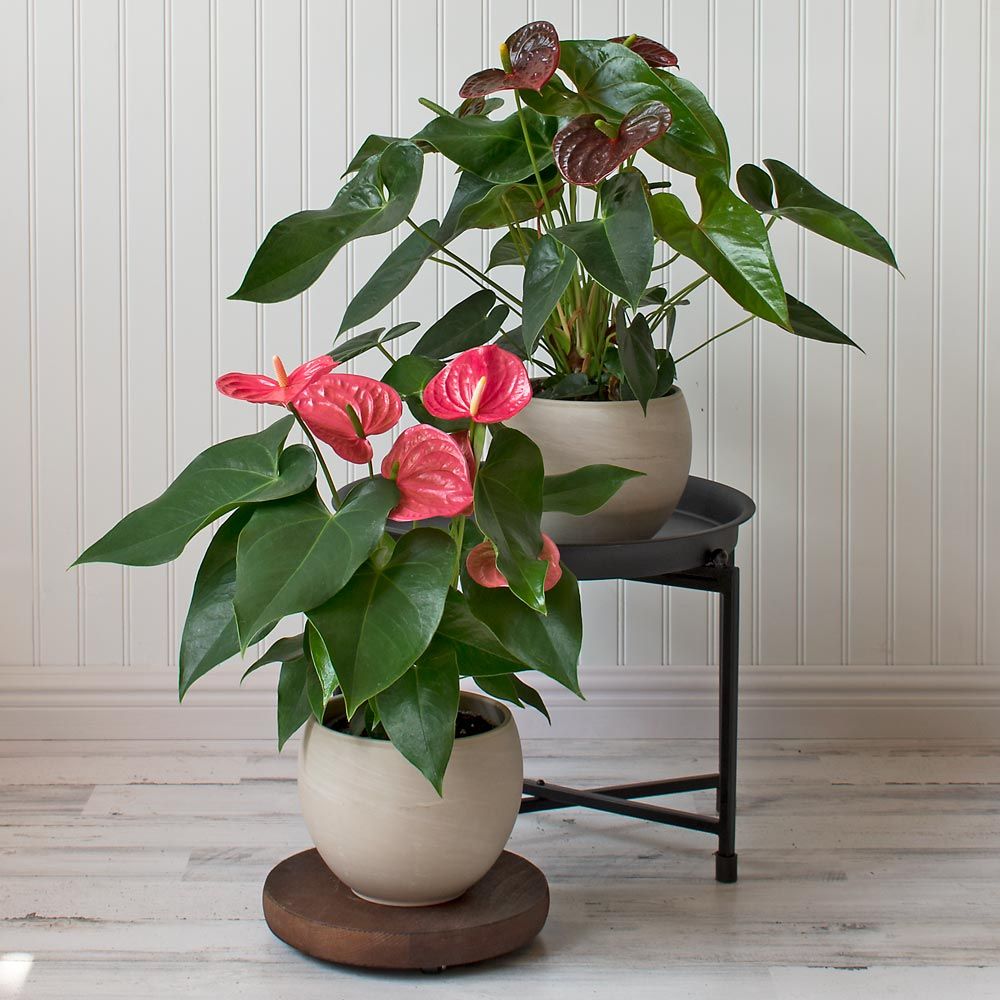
(573, 433)
(383, 830)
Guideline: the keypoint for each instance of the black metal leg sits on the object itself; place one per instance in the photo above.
(721, 577)
(729, 666)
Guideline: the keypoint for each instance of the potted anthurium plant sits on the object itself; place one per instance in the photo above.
(409, 785)
(559, 179)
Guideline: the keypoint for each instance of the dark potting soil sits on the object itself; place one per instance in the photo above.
(466, 724)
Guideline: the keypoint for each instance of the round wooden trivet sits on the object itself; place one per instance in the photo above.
(308, 907)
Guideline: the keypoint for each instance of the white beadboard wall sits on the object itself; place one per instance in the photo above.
(148, 146)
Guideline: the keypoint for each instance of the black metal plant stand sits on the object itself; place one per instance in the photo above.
(694, 550)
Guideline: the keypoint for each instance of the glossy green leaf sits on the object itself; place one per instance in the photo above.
(419, 712)
(288, 648)
(297, 250)
(616, 248)
(374, 145)
(611, 80)
(476, 650)
(638, 356)
(574, 386)
(547, 274)
(493, 150)
(326, 683)
(354, 346)
(551, 642)
(293, 698)
(295, 554)
(410, 373)
(472, 322)
(243, 470)
(730, 242)
(808, 323)
(210, 635)
(376, 627)
(512, 689)
(585, 489)
(513, 247)
(391, 276)
(805, 204)
(508, 510)
(696, 142)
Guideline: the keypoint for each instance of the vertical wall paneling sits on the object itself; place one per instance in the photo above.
(18, 254)
(152, 144)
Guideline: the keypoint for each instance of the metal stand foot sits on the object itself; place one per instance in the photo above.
(725, 867)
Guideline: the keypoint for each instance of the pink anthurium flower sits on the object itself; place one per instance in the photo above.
(431, 473)
(283, 389)
(482, 564)
(345, 410)
(530, 57)
(654, 53)
(486, 384)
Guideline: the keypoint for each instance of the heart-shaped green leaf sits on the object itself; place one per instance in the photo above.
(250, 469)
(391, 276)
(419, 712)
(354, 346)
(730, 242)
(326, 683)
(585, 489)
(611, 80)
(808, 323)
(513, 248)
(511, 688)
(210, 636)
(376, 627)
(550, 642)
(616, 248)
(805, 204)
(638, 355)
(508, 506)
(493, 150)
(295, 554)
(288, 648)
(410, 373)
(293, 697)
(476, 649)
(297, 250)
(550, 267)
(471, 323)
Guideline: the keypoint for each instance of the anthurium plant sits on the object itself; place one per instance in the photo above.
(559, 179)
(392, 622)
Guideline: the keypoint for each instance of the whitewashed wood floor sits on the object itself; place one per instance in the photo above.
(133, 870)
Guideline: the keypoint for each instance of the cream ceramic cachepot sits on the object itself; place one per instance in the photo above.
(574, 433)
(383, 830)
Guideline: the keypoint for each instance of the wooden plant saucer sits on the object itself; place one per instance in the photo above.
(308, 907)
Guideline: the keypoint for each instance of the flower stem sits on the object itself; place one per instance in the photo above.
(334, 495)
(459, 260)
(534, 161)
(666, 263)
(729, 329)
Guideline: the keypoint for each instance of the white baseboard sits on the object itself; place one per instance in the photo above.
(901, 701)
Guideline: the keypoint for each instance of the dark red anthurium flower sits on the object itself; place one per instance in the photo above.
(283, 389)
(481, 564)
(431, 474)
(657, 55)
(585, 153)
(345, 410)
(486, 384)
(530, 57)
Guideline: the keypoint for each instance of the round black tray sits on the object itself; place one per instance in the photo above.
(707, 519)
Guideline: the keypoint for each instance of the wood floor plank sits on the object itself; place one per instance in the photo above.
(867, 869)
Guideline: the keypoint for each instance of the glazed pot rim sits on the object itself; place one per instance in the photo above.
(464, 697)
(594, 404)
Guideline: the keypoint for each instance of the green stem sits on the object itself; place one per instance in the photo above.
(459, 260)
(666, 263)
(388, 356)
(371, 469)
(687, 288)
(534, 161)
(729, 329)
(334, 495)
